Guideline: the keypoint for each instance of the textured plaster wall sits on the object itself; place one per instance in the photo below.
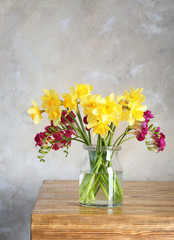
(111, 44)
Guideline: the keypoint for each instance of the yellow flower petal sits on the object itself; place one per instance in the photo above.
(35, 113)
(131, 105)
(50, 99)
(70, 100)
(55, 115)
(83, 90)
(47, 92)
(37, 119)
(32, 110)
(35, 104)
(90, 102)
(102, 129)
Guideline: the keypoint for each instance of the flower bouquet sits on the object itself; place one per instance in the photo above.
(100, 181)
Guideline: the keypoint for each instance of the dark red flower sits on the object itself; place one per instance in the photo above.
(85, 119)
(142, 127)
(148, 115)
(141, 130)
(69, 132)
(39, 139)
(160, 141)
(58, 140)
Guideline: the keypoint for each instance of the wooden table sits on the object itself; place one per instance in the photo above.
(147, 213)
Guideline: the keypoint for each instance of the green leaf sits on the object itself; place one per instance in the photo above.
(155, 128)
(53, 129)
(42, 152)
(42, 160)
(151, 126)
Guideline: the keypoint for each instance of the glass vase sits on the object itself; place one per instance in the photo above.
(101, 177)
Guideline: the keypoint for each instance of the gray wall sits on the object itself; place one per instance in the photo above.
(112, 44)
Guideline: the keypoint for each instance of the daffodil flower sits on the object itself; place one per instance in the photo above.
(50, 99)
(90, 102)
(51, 104)
(83, 90)
(70, 100)
(131, 105)
(35, 113)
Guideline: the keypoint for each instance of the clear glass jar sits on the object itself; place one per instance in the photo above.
(101, 177)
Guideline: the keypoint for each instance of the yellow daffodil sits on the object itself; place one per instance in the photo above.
(136, 113)
(35, 112)
(98, 118)
(70, 100)
(110, 108)
(102, 129)
(90, 102)
(101, 113)
(55, 115)
(50, 99)
(83, 90)
(134, 96)
(131, 105)
(100, 124)
(51, 104)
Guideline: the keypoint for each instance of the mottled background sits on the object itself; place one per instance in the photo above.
(111, 44)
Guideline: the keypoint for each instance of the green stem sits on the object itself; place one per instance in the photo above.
(89, 135)
(111, 134)
(127, 139)
(104, 142)
(126, 132)
(98, 140)
(69, 139)
(82, 126)
(103, 188)
(75, 120)
(121, 136)
(84, 194)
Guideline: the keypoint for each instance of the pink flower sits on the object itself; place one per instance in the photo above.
(140, 137)
(148, 115)
(59, 141)
(48, 130)
(160, 141)
(141, 134)
(69, 132)
(39, 139)
(68, 116)
(141, 130)
(142, 127)
(62, 138)
(157, 130)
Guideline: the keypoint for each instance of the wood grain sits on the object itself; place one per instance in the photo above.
(147, 213)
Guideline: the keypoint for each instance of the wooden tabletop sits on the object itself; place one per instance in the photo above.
(147, 213)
